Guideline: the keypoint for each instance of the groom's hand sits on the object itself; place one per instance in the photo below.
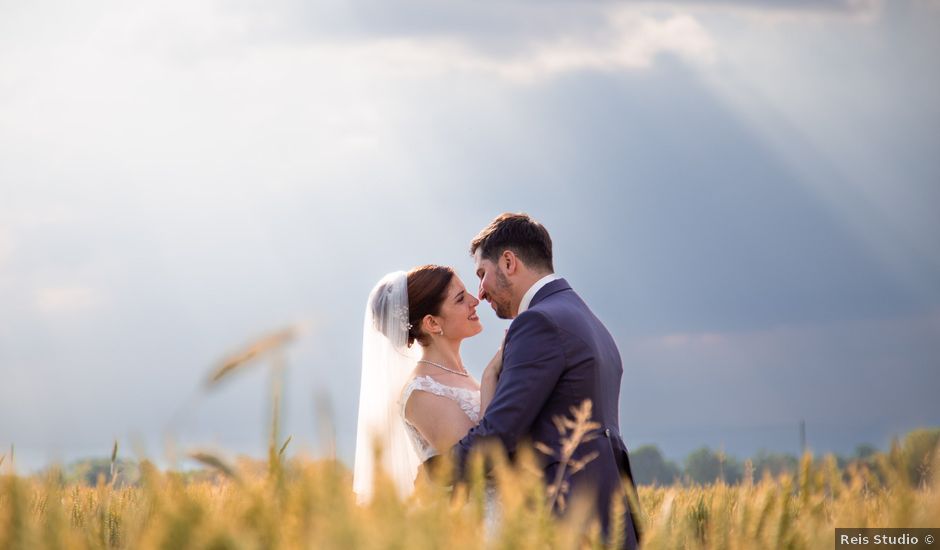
(495, 367)
(438, 469)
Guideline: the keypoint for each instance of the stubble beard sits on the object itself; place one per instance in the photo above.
(504, 302)
(502, 311)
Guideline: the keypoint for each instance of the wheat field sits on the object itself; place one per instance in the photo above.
(308, 503)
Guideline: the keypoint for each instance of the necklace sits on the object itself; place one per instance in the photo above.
(444, 368)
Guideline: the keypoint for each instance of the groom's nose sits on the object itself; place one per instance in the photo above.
(481, 294)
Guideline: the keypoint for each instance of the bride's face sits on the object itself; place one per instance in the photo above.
(458, 315)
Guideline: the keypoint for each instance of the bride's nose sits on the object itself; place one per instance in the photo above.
(474, 302)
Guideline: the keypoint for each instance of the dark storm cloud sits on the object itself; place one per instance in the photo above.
(660, 191)
(501, 27)
(716, 263)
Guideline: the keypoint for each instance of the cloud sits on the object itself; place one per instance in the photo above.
(632, 42)
(592, 38)
(518, 41)
(54, 300)
(781, 11)
(870, 371)
(507, 25)
(40, 216)
(207, 158)
(629, 42)
(6, 245)
(836, 6)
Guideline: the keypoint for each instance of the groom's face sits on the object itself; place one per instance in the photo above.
(495, 287)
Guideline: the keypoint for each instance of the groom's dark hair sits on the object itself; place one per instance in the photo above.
(527, 238)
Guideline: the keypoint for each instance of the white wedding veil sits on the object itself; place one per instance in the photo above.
(387, 362)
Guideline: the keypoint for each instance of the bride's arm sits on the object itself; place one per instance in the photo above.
(439, 419)
(489, 379)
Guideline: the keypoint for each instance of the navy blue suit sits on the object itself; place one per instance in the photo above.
(556, 355)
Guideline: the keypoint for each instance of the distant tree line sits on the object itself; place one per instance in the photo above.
(916, 452)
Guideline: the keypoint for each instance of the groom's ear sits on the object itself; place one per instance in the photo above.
(509, 262)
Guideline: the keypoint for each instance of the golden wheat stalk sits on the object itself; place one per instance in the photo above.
(113, 472)
(249, 354)
(574, 431)
(284, 446)
(216, 463)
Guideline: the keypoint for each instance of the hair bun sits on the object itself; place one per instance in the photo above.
(388, 305)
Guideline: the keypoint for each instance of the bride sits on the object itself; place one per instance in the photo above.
(416, 398)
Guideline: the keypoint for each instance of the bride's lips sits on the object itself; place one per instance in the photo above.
(473, 317)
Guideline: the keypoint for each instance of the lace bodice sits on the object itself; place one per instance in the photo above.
(469, 401)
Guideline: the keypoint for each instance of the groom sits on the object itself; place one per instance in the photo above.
(556, 355)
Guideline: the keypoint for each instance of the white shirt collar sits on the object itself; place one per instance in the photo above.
(529, 294)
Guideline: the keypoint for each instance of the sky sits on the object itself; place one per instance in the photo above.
(744, 192)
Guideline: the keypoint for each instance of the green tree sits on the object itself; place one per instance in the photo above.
(919, 450)
(89, 470)
(774, 463)
(706, 466)
(865, 451)
(651, 468)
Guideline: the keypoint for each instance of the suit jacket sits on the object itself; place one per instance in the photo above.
(556, 354)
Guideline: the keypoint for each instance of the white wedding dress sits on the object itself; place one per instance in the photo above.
(467, 399)
(469, 402)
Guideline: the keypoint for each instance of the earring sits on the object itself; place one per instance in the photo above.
(441, 333)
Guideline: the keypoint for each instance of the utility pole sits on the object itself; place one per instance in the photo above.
(802, 437)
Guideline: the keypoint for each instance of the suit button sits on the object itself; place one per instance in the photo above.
(607, 433)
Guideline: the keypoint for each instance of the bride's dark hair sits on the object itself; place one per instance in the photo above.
(427, 289)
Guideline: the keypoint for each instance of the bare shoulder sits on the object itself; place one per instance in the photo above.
(425, 404)
(439, 419)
